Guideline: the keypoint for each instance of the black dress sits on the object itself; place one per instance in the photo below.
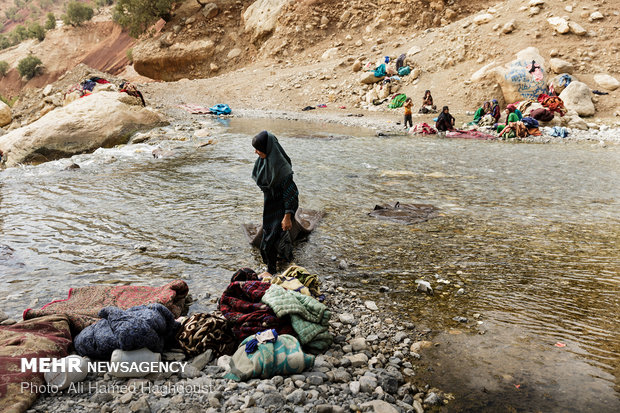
(281, 200)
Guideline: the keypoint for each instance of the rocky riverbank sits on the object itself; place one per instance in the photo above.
(370, 367)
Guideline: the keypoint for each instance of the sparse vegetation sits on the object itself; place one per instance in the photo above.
(36, 31)
(50, 23)
(29, 67)
(4, 42)
(4, 68)
(138, 15)
(77, 13)
(9, 101)
(129, 53)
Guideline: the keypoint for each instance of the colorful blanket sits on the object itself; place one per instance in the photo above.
(309, 318)
(282, 358)
(47, 336)
(553, 103)
(470, 134)
(423, 128)
(241, 305)
(84, 303)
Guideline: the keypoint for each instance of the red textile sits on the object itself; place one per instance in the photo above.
(470, 134)
(83, 304)
(241, 305)
(553, 103)
(47, 336)
(423, 128)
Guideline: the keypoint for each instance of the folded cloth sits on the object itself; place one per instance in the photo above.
(84, 303)
(201, 332)
(47, 336)
(150, 326)
(282, 358)
(241, 305)
(309, 318)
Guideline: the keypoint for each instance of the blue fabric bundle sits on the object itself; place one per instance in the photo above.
(220, 109)
(530, 122)
(148, 326)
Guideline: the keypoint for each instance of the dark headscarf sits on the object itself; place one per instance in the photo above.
(271, 171)
(443, 116)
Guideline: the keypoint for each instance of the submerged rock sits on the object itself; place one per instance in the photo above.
(405, 213)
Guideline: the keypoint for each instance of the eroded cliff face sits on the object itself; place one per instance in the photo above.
(202, 41)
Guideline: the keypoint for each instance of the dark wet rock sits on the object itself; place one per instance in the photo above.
(460, 319)
(405, 213)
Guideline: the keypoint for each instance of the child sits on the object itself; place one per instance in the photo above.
(408, 105)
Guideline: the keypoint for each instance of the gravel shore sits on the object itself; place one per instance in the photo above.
(370, 367)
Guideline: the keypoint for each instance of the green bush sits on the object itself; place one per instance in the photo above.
(4, 68)
(103, 3)
(77, 13)
(36, 31)
(20, 32)
(138, 15)
(4, 42)
(29, 67)
(129, 54)
(50, 22)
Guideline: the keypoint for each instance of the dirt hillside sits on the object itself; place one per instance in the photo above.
(305, 52)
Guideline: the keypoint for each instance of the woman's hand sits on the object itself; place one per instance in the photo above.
(287, 224)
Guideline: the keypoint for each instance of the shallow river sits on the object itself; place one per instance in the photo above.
(530, 232)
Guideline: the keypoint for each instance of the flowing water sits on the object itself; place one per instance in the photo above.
(530, 232)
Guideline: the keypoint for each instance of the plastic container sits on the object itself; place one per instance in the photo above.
(143, 355)
(63, 379)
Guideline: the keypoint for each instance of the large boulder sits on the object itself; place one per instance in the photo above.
(561, 66)
(260, 17)
(175, 62)
(577, 96)
(5, 114)
(98, 120)
(602, 79)
(517, 79)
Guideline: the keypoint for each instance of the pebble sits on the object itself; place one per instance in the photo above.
(371, 305)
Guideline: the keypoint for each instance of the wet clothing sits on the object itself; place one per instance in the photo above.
(445, 121)
(274, 175)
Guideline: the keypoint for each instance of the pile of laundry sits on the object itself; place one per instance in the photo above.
(269, 325)
(386, 76)
(96, 84)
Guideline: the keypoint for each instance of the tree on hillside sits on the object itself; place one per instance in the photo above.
(29, 67)
(138, 15)
(4, 68)
(103, 3)
(20, 32)
(77, 13)
(36, 31)
(5, 42)
(50, 23)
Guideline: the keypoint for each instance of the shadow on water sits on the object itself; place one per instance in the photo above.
(528, 232)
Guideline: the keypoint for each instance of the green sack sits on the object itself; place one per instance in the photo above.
(398, 101)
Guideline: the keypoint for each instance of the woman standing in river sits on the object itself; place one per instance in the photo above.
(273, 174)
